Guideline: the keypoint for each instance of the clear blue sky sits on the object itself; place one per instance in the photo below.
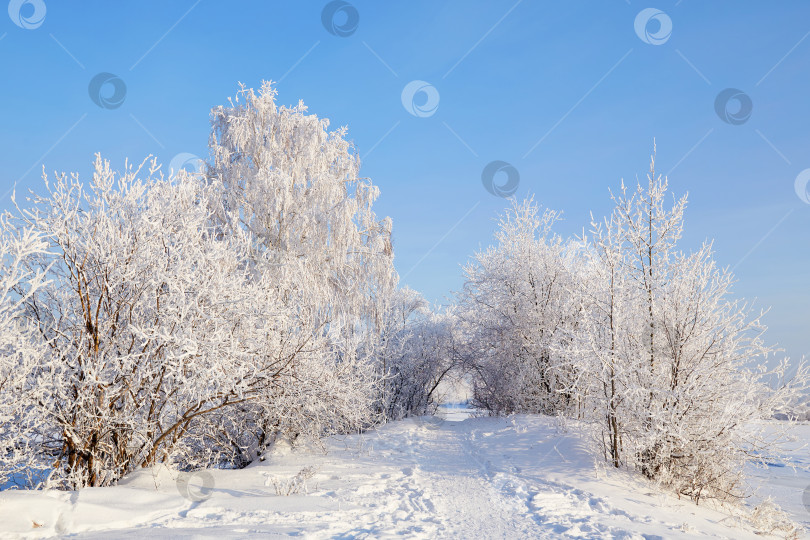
(574, 77)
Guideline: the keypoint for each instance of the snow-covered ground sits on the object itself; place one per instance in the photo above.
(519, 477)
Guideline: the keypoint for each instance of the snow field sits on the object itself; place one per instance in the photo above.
(519, 477)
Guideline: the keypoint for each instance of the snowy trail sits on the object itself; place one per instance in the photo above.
(427, 478)
(452, 472)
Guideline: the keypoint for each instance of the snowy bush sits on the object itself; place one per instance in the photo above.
(768, 518)
(152, 321)
(519, 307)
(20, 352)
(294, 484)
(417, 353)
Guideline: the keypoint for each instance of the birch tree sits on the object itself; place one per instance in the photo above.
(292, 187)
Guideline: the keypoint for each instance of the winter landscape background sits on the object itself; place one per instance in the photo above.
(484, 307)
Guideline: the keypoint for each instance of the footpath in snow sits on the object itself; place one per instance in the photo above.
(428, 478)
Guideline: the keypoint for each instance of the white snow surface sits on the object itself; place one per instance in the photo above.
(432, 477)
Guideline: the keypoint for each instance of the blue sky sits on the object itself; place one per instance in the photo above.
(568, 93)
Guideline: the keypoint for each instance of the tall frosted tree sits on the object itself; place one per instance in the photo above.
(675, 368)
(600, 343)
(293, 187)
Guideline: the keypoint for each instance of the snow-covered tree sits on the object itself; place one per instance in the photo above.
(293, 188)
(599, 346)
(623, 330)
(20, 354)
(136, 319)
(670, 361)
(418, 352)
(519, 305)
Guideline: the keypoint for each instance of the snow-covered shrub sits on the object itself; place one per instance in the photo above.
(416, 354)
(519, 307)
(21, 351)
(151, 321)
(294, 484)
(768, 518)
